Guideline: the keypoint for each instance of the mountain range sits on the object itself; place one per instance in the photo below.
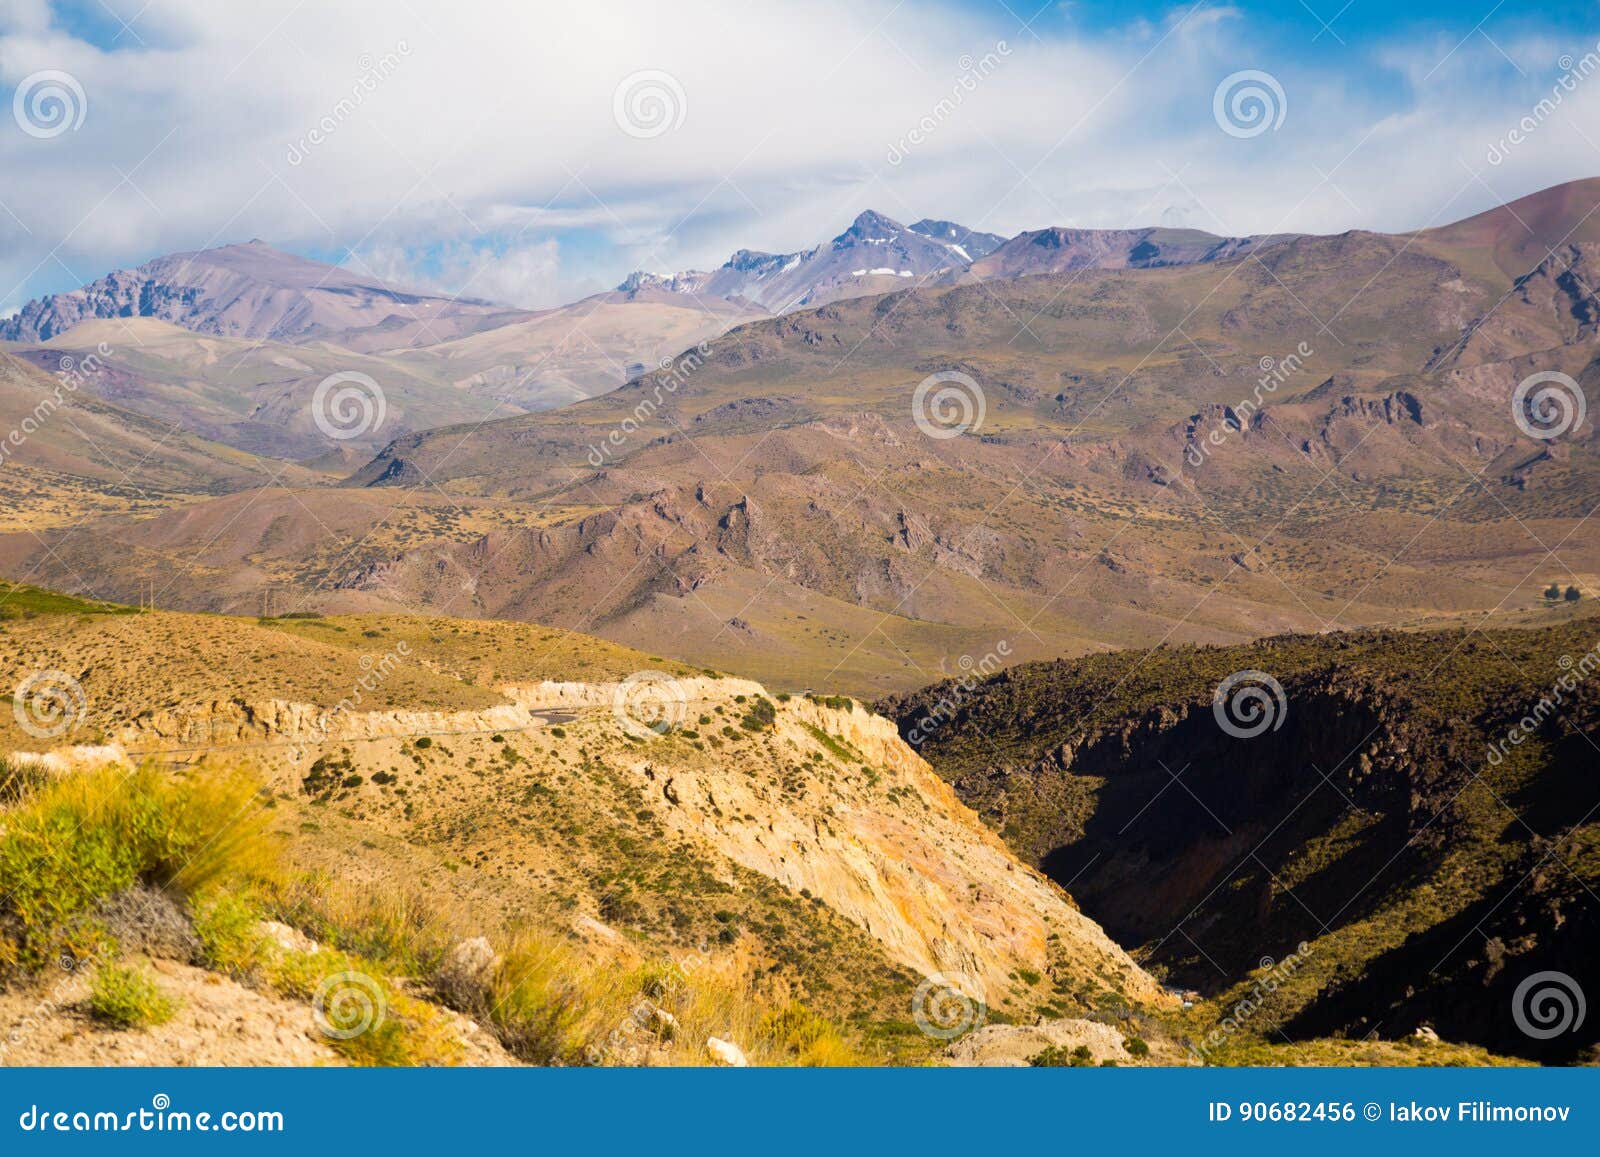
(875, 255)
(1173, 436)
(233, 342)
(253, 291)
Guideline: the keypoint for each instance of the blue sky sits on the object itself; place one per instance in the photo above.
(487, 148)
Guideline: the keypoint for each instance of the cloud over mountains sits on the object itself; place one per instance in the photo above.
(533, 153)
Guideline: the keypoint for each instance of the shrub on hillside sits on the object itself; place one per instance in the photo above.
(1061, 1057)
(68, 842)
(128, 998)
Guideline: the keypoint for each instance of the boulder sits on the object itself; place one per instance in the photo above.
(726, 1053)
(287, 938)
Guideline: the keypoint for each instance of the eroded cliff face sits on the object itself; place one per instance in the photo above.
(826, 800)
(887, 844)
(1412, 821)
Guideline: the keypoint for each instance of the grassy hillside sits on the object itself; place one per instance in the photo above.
(20, 601)
(133, 881)
(794, 849)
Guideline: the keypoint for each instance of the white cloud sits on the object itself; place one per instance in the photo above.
(526, 275)
(497, 121)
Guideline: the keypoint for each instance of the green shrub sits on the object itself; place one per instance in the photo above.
(128, 998)
(1060, 1057)
(72, 841)
(836, 702)
(229, 940)
(760, 715)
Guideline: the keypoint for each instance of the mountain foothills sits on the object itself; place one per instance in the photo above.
(1289, 433)
(1399, 833)
(585, 832)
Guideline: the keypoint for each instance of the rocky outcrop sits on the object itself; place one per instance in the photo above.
(238, 724)
(249, 291)
(886, 843)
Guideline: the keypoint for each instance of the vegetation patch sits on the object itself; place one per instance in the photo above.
(126, 997)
